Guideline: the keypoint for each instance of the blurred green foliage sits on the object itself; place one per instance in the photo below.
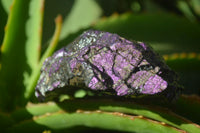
(171, 27)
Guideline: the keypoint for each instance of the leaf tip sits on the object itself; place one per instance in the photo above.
(58, 19)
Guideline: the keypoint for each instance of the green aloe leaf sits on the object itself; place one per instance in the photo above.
(195, 4)
(53, 44)
(7, 5)
(21, 48)
(103, 120)
(34, 33)
(184, 7)
(13, 59)
(33, 42)
(167, 117)
(153, 112)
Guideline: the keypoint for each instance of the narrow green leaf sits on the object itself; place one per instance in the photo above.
(54, 40)
(34, 110)
(128, 107)
(184, 7)
(196, 6)
(34, 77)
(34, 37)
(7, 5)
(34, 33)
(166, 117)
(96, 119)
(13, 57)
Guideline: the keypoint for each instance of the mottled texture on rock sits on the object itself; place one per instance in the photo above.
(104, 61)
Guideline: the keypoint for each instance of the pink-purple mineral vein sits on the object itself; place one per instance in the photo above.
(103, 61)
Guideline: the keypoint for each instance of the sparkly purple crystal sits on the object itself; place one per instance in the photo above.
(103, 61)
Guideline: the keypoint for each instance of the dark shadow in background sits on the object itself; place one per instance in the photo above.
(51, 11)
(3, 20)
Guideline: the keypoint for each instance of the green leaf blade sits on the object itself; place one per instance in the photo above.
(34, 33)
(93, 119)
(13, 59)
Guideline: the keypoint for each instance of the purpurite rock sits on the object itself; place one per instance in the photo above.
(103, 61)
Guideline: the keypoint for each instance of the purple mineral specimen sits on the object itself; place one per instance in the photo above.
(103, 61)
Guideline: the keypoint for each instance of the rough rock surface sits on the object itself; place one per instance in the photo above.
(102, 61)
